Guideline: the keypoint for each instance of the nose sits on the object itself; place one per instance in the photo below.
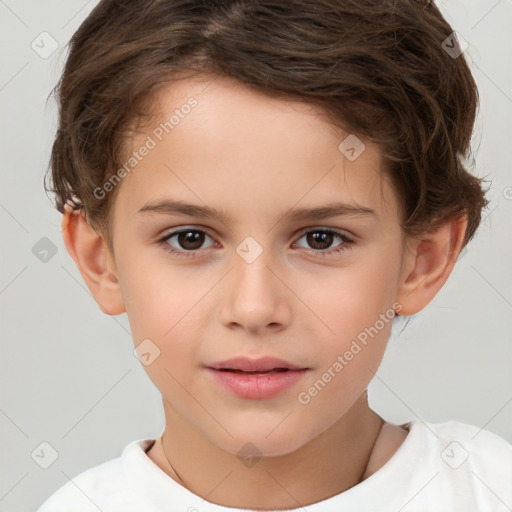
(254, 296)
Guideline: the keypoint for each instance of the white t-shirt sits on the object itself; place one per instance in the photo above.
(439, 467)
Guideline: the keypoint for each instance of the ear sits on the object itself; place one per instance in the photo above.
(428, 262)
(94, 261)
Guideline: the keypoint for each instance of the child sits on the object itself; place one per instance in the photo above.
(316, 150)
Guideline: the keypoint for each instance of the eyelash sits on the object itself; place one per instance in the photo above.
(344, 246)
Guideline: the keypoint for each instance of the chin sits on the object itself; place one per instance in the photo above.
(263, 440)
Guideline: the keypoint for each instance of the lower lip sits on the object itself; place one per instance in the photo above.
(257, 386)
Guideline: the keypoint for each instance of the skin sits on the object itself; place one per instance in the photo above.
(256, 158)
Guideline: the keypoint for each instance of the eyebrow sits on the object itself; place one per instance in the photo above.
(170, 207)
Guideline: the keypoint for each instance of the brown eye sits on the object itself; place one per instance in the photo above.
(322, 242)
(190, 240)
(186, 242)
(319, 239)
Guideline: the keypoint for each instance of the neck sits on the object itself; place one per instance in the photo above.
(333, 462)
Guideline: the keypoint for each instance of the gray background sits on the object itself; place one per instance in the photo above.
(68, 375)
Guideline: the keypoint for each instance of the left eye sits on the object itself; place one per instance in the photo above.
(321, 240)
(190, 241)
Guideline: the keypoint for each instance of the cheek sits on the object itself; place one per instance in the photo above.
(355, 304)
(349, 361)
(164, 306)
(158, 295)
(348, 300)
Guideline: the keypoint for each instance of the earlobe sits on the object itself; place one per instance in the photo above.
(94, 261)
(428, 262)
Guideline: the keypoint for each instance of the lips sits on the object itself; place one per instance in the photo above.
(256, 379)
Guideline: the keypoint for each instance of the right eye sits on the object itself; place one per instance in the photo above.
(187, 242)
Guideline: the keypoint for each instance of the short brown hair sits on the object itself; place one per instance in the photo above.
(377, 68)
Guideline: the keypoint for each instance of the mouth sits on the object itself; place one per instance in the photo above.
(256, 379)
(262, 372)
(264, 365)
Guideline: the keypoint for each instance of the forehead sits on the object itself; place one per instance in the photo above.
(215, 141)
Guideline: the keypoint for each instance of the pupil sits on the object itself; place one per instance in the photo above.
(325, 239)
(191, 237)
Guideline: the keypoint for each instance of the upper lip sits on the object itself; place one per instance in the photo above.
(260, 364)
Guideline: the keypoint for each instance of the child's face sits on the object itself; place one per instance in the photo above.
(256, 159)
